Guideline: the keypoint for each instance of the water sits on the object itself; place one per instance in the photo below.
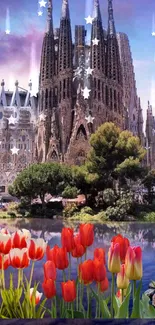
(139, 234)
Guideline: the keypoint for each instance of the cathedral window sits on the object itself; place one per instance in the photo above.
(107, 96)
(54, 156)
(81, 133)
(46, 99)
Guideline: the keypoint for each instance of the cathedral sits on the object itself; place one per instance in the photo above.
(81, 86)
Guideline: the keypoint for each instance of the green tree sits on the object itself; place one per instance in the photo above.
(114, 155)
(149, 183)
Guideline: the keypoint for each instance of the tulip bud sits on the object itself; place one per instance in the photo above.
(68, 290)
(133, 263)
(86, 232)
(114, 263)
(103, 285)
(124, 244)
(49, 288)
(122, 280)
(67, 239)
(38, 296)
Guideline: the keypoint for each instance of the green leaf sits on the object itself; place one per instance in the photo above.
(76, 314)
(124, 307)
(136, 305)
(147, 310)
(116, 304)
(104, 309)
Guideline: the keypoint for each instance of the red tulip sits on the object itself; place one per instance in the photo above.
(50, 270)
(36, 248)
(19, 238)
(49, 288)
(99, 270)
(124, 244)
(51, 253)
(103, 285)
(133, 263)
(38, 296)
(99, 253)
(6, 261)
(86, 234)
(79, 249)
(114, 263)
(19, 258)
(61, 258)
(86, 271)
(5, 243)
(67, 239)
(68, 290)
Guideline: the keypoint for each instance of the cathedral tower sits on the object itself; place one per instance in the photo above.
(97, 63)
(65, 76)
(114, 90)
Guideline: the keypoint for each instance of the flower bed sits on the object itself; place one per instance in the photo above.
(19, 250)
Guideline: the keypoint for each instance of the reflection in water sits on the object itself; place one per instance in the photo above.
(142, 234)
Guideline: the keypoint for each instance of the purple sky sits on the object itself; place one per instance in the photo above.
(20, 51)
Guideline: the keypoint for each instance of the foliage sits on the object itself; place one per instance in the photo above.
(69, 210)
(121, 208)
(70, 192)
(109, 196)
(87, 210)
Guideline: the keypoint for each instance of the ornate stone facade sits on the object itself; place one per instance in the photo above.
(69, 118)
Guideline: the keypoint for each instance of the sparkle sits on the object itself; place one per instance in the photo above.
(42, 117)
(12, 120)
(89, 20)
(14, 151)
(153, 33)
(7, 31)
(89, 119)
(86, 92)
(89, 71)
(42, 3)
(95, 41)
(40, 13)
(33, 93)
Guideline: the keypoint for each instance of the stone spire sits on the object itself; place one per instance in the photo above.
(65, 10)
(111, 23)
(97, 12)
(49, 24)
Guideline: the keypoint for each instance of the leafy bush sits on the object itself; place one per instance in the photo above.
(70, 192)
(109, 196)
(121, 209)
(87, 210)
(69, 210)
(102, 216)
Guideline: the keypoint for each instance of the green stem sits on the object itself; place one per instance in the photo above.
(88, 301)
(122, 295)
(19, 278)
(3, 275)
(31, 274)
(134, 290)
(86, 254)
(64, 276)
(55, 308)
(112, 293)
(69, 271)
(77, 288)
(99, 304)
(72, 309)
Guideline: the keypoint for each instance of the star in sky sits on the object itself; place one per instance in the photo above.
(40, 13)
(42, 3)
(12, 120)
(89, 71)
(95, 41)
(89, 20)
(33, 93)
(153, 33)
(86, 92)
(7, 31)
(42, 117)
(14, 151)
(89, 119)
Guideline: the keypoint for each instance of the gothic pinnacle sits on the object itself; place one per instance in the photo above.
(49, 17)
(65, 10)
(111, 24)
(97, 12)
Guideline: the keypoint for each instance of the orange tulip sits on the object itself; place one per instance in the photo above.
(79, 249)
(124, 244)
(49, 288)
(86, 271)
(6, 261)
(133, 263)
(122, 280)
(5, 243)
(50, 270)
(68, 290)
(103, 285)
(38, 296)
(99, 270)
(19, 238)
(99, 253)
(51, 253)
(19, 258)
(36, 248)
(86, 234)
(67, 239)
(61, 258)
(114, 263)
